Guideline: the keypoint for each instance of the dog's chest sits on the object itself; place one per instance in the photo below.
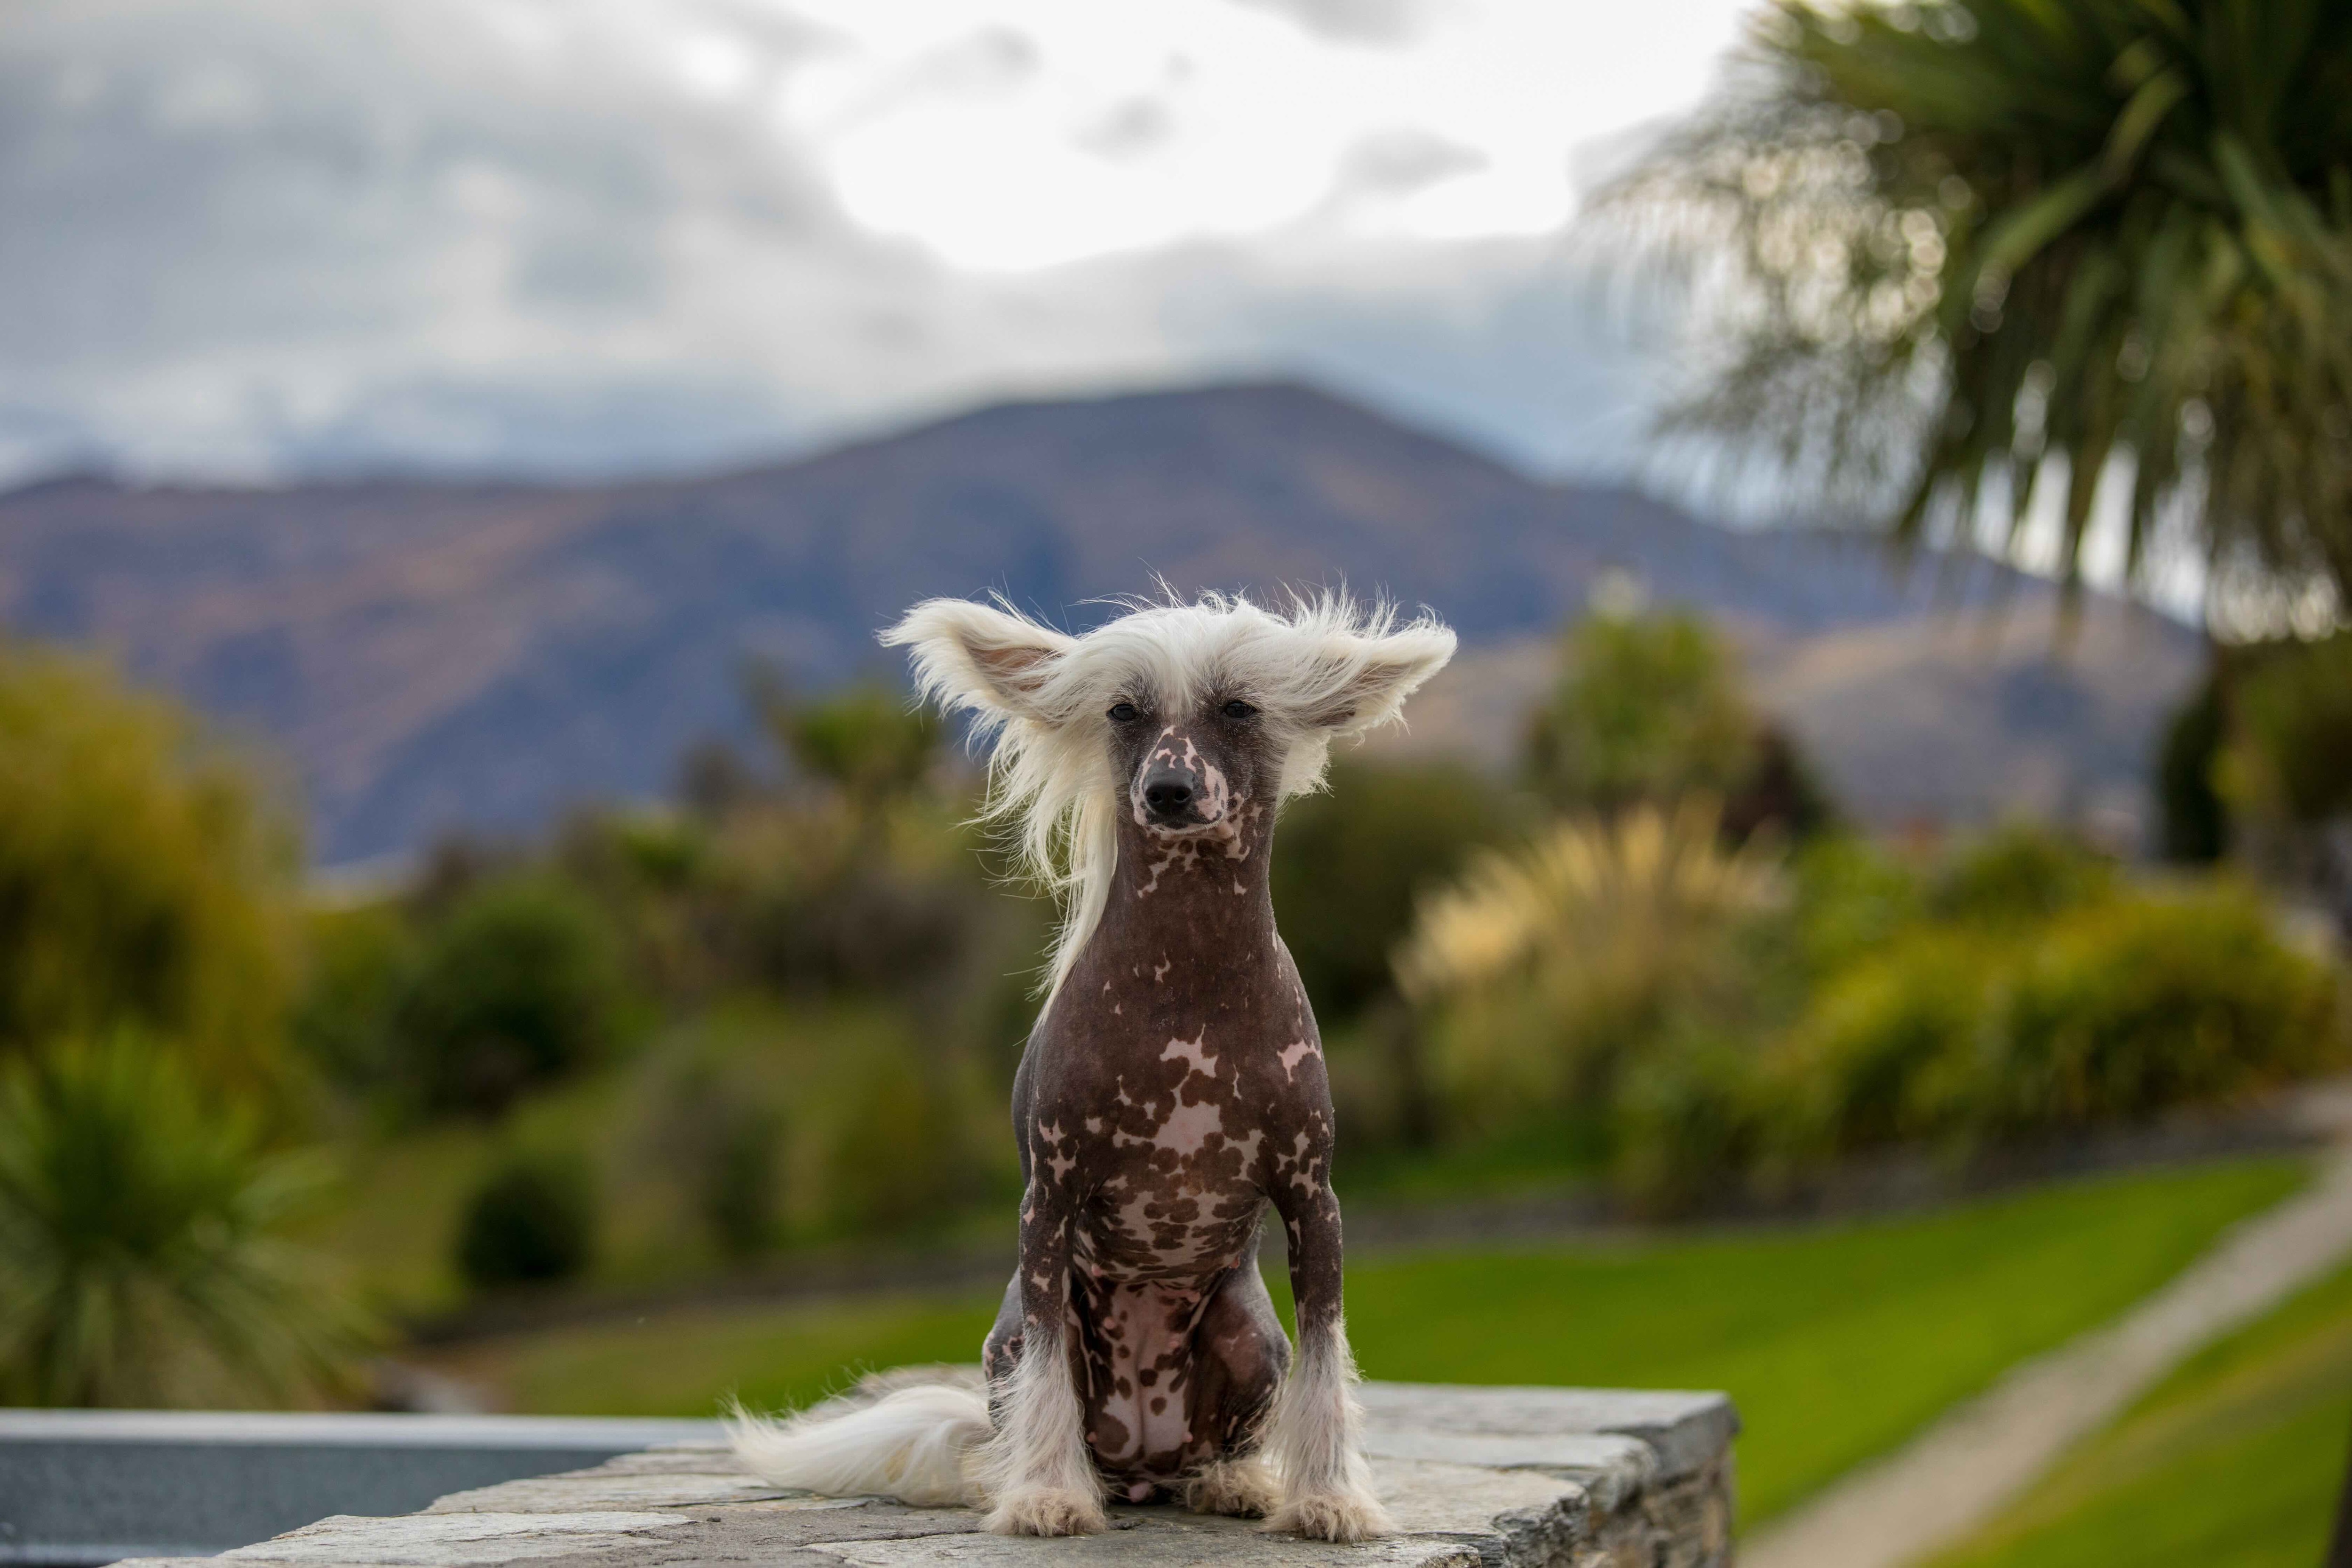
(1165, 1122)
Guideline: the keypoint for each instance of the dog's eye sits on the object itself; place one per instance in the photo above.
(1237, 708)
(1122, 713)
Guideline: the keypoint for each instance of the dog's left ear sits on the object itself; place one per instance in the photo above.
(1384, 671)
(980, 656)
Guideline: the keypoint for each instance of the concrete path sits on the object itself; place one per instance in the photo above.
(1928, 1494)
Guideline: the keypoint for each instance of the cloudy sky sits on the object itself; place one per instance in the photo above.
(258, 237)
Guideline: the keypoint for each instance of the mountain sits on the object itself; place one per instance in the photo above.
(436, 654)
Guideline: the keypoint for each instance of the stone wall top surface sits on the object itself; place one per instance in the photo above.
(1518, 1478)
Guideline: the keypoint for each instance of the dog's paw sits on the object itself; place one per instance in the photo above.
(1332, 1516)
(1239, 1488)
(1045, 1511)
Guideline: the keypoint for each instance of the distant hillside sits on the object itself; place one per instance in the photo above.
(433, 654)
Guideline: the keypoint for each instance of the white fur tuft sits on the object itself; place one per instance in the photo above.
(915, 1444)
(1037, 1472)
(1326, 666)
(1314, 1436)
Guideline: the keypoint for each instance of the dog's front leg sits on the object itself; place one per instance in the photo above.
(1313, 1434)
(1039, 1477)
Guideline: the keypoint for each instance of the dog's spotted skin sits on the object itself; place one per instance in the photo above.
(1173, 1088)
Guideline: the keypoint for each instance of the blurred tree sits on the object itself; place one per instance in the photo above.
(2193, 824)
(1649, 708)
(1963, 252)
(518, 986)
(1646, 709)
(141, 1253)
(2290, 753)
(2285, 769)
(146, 877)
(867, 742)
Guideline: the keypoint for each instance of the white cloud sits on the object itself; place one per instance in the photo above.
(247, 236)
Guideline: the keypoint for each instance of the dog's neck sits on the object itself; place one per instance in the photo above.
(1204, 892)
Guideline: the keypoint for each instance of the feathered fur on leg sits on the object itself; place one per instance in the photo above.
(1036, 1470)
(1315, 1438)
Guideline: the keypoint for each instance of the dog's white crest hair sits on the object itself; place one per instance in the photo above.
(1326, 666)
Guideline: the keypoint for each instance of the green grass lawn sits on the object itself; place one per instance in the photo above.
(2235, 1461)
(1836, 1341)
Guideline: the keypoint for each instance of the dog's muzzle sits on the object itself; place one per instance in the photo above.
(1172, 797)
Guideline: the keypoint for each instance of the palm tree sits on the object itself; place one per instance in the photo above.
(1961, 251)
(142, 1259)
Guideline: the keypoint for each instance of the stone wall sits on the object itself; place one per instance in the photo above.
(1476, 1478)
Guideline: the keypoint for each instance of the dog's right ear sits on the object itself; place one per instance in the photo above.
(980, 656)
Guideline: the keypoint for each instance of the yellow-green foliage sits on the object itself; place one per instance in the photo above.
(144, 876)
(2110, 1012)
(142, 1254)
(2129, 1006)
(1734, 1017)
(1545, 966)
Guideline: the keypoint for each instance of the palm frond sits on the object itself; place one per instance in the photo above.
(1956, 252)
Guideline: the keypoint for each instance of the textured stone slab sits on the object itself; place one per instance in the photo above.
(1475, 1478)
(1161, 1540)
(453, 1540)
(1685, 1431)
(590, 1489)
(96, 1486)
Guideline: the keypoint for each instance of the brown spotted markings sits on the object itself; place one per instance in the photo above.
(1173, 1088)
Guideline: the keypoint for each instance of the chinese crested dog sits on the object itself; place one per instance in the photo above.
(1172, 1088)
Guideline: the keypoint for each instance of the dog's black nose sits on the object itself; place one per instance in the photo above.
(1167, 796)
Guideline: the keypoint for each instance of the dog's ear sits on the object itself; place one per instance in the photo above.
(980, 656)
(1379, 674)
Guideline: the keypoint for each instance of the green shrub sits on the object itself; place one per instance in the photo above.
(142, 1250)
(518, 986)
(718, 1127)
(532, 1221)
(357, 959)
(741, 1191)
(146, 877)
(900, 1145)
(2131, 1008)
(1850, 900)
(2017, 876)
(1690, 1122)
(1548, 968)
(1884, 1049)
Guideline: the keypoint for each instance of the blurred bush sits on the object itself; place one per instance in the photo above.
(2017, 876)
(519, 986)
(531, 1221)
(142, 1250)
(357, 958)
(2132, 1006)
(1551, 967)
(146, 877)
(720, 1127)
(1746, 1021)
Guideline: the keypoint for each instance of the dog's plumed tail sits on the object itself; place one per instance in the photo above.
(914, 1444)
